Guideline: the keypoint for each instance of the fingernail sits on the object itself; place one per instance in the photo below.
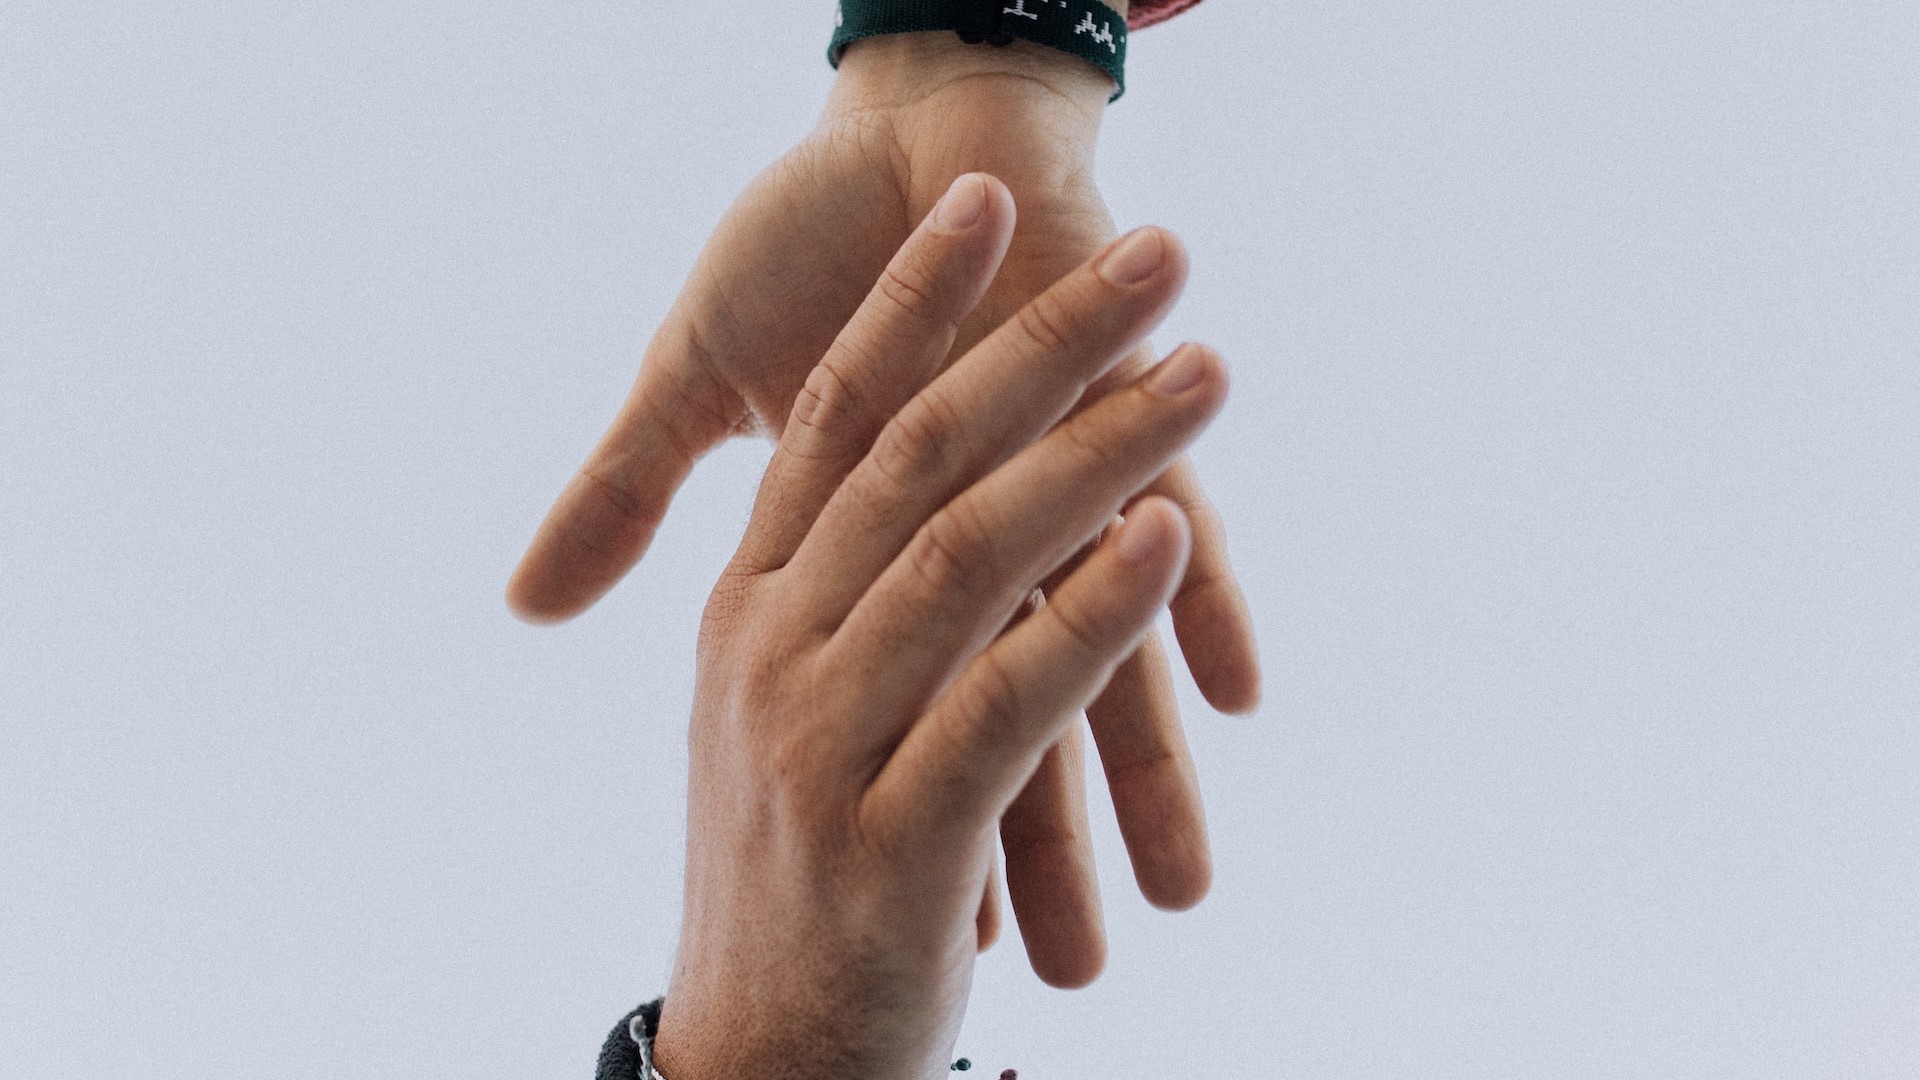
(1135, 259)
(963, 204)
(1178, 373)
(1141, 537)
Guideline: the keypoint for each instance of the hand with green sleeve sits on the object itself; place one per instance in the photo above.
(779, 278)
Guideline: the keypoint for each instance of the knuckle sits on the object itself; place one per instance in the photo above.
(910, 447)
(908, 289)
(615, 492)
(945, 554)
(1088, 634)
(719, 409)
(762, 676)
(728, 605)
(792, 764)
(1037, 835)
(1205, 588)
(993, 702)
(1202, 517)
(1047, 322)
(825, 401)
(1149, 762)
(1093, 445)
(942, 419)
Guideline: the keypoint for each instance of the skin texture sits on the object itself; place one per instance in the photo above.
(876, 688)
(781, 275)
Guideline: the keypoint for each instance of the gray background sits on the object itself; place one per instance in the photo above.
(1571, 468)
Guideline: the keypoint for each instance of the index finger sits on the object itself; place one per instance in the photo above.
(886, 353)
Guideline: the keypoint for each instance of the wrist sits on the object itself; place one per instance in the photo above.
(1024, 112)
(904, 69)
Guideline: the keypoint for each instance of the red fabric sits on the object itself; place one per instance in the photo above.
(1144, 13)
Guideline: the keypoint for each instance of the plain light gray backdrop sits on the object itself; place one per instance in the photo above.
(1572, 468)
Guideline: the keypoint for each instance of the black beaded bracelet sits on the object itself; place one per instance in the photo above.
(628, 1052)
(1087, 29)
(629, 1046)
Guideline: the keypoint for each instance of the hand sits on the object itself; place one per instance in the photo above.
(780, 276)
(863, 714)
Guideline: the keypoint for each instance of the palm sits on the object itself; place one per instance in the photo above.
(800, 249)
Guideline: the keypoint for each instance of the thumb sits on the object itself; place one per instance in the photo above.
(602, 523)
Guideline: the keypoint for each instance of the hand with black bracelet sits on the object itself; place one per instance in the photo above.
(876, 682)
(780, 277)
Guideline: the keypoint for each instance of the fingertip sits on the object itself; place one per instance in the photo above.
(1230, 683)
(1182, 892)
(1177, 261)
(963, 205)
(992, 182)
(1150, 256)
(1176, 516)
(535, 617)
(1076, 970)
(1216, 637)
(1154, 530)
(535, 595)
(1213, 623)
(1243, 700)
(529, 606)
(1231, 689)
(594, 533)
(999, 197)
(1192, 375)
(1002, 218)
(1174, 904)
(516, 597)
(989, 937)
(974, 201)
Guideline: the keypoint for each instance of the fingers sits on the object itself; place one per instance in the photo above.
(997, 399)
(1050, 872)
(1149, 771)
(1150, 776)
(967, 569)
(962, 764)
(607, 515)
(1210, 615)
(891, 347)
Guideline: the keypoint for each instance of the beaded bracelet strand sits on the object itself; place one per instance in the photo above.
(628, 1052)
